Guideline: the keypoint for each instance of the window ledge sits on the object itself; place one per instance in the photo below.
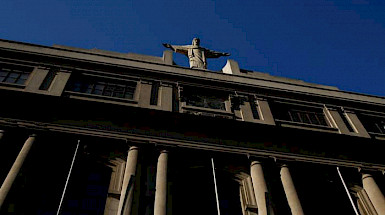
(100, 97)
(378, 136)
(291, 124)
(252, 208)
(20, 86)
(207, 111)
(189, 107)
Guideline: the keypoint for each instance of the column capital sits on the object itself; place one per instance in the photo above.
(33, 135)
(368, 172)
(164, 151)
(255, 162)
(285, 163)
(364, 171)
(366, 175)
(133, 148)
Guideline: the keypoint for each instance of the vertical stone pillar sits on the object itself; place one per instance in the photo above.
(259, 186)
(126, 196)
(249, 186)
(1, 134)
(374, 193)
(161, 184)
(7, 184)
(291, 193)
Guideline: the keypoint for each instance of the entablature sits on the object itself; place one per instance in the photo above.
(104, 131)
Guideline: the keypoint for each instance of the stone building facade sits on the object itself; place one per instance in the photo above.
(98, 132)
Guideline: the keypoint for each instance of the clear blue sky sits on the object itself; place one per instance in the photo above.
(337, 43)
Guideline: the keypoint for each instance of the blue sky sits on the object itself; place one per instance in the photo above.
(337, 43)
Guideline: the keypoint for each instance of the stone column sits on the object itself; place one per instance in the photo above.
(7, 184)
(374, 193)
(249, 186)
(291, 193)
(259, 186)
(161, 185)
(126, 195)
(1, 134)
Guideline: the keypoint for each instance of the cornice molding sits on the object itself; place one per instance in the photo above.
(202, 145)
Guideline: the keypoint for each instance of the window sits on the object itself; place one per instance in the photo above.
(373, 124)
(344, 118)
(380, 125)
(300, 114)
(14, 74)
(48, 79)
(206, 102)
(254, 108)
(154, 93)
(116, 89)
(308, 117)
(205, 99)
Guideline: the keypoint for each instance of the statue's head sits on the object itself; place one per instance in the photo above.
(196, 42)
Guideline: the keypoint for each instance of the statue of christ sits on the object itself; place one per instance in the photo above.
(196, 54)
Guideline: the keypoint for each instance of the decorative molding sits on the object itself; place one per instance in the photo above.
(146, 139)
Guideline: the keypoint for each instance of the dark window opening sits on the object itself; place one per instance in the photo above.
(307, 117)
(373, 124)
(206, 99)
(381, 126)
(107, 88)
(175, 99)
(154, 93)
(197, 172)
(14, 74)
(328, 197)
(254, 109)
(48, 79)
(301, 114)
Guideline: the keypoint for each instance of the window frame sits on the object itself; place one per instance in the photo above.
(206, 111)
(13, 68)
(347, 121)
(301, 107)
(363, 117)
(206, 97)
(91, 79)
(49, 79)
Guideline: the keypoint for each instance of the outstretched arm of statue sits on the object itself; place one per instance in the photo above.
(168, 46)
(179, 49)
(215, 54)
